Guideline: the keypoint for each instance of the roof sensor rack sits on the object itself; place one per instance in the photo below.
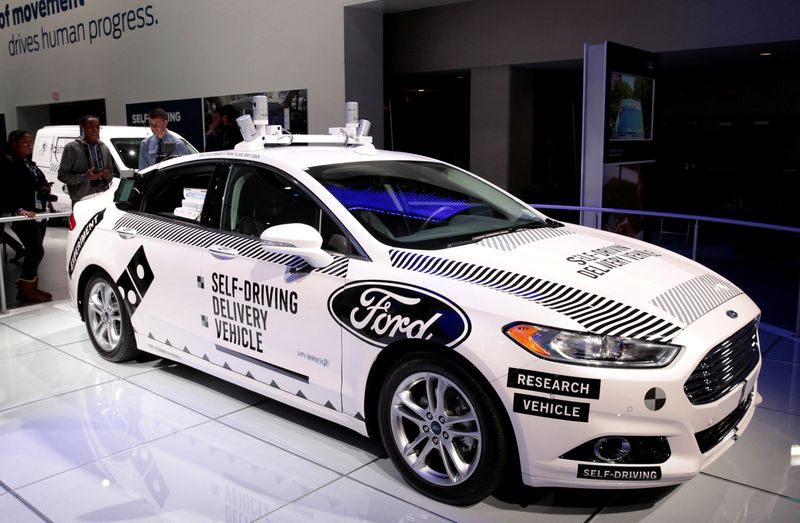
(258, 134)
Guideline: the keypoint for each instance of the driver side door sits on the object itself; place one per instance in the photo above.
(265, 313)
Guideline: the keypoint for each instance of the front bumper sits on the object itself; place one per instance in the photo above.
(684, 463)
(587, 404)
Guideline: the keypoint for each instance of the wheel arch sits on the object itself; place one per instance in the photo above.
(83, 281)
(393, 352)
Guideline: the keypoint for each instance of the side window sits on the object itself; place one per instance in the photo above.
(180, 192)
(333, 239)
(256, 199)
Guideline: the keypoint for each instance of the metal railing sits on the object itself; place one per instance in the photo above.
(8, 219)
(695, 220)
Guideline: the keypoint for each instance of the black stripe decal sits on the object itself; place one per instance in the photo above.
(514, 240)
(596, 313)
(188, 234)
(695, 297)
(269, 366)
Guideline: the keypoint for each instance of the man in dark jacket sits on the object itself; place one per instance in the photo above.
(86, 164)
(229, 134)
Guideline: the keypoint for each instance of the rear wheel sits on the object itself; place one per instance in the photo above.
(441, 430)
(107, 320)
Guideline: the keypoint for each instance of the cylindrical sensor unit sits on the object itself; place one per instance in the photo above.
(260, 108)
(363, 128)
(247, 127)
(351, 113)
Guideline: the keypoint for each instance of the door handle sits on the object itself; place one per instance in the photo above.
(126, 233)
(223, 253)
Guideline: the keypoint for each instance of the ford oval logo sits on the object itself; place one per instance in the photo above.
(732, 314)
(382, 312)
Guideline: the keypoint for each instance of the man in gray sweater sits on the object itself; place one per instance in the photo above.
(86, 164)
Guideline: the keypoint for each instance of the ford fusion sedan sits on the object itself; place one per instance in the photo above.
(416, 303)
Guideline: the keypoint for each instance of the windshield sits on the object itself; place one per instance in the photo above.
(423, 205)
(128, 150)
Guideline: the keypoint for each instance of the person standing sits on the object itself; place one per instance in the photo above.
(152, 150)
(228, 134)
(86, 164)
(23, 184)
(213, 131)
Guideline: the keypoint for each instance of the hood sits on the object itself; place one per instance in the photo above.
(609, 284)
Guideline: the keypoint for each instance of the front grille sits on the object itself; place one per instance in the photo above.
(709, 438)
(724, 367)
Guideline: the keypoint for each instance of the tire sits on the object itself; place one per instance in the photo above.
(459, 462)
(107, 320)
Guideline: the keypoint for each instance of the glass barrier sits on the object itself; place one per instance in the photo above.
(5, 284)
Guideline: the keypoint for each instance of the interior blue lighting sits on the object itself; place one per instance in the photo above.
(412, 204)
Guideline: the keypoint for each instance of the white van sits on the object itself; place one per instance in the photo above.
(123, 142)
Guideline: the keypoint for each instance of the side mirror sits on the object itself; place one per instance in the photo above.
(297, 239)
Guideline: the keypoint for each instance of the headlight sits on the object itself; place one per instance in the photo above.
(582, 348)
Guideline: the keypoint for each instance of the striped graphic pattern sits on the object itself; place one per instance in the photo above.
(509, 242)
(596, 313)
(247, 247)
(690, 300)
(338, 268)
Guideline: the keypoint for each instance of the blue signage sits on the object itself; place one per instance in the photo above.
(184, 117)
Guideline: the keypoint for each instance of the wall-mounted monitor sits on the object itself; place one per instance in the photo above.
(630, 107)
(629, 92)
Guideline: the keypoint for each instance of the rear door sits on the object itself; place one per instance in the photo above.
(162, 244)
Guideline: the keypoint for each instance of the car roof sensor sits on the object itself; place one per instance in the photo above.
(258, 134)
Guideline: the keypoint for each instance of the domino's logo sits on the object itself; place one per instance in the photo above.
(135, 280)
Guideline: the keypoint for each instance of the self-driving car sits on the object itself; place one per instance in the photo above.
(416, 303)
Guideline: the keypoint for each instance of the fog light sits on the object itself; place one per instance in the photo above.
(618, 449)
(612, 449)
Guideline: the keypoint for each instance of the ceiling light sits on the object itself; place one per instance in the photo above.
(766, 53)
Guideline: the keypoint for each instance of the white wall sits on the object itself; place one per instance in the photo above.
(197, 48)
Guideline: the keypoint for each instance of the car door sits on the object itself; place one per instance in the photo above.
(162, 245)
(265, 313)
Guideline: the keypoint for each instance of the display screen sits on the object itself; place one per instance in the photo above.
(630, 107)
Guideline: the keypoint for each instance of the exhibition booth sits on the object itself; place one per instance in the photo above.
(316, 324)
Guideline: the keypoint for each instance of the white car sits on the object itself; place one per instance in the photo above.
(123, 143)
(414, 302)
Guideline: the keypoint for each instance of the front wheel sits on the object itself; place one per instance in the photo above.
(441, 430)
(107, 320)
